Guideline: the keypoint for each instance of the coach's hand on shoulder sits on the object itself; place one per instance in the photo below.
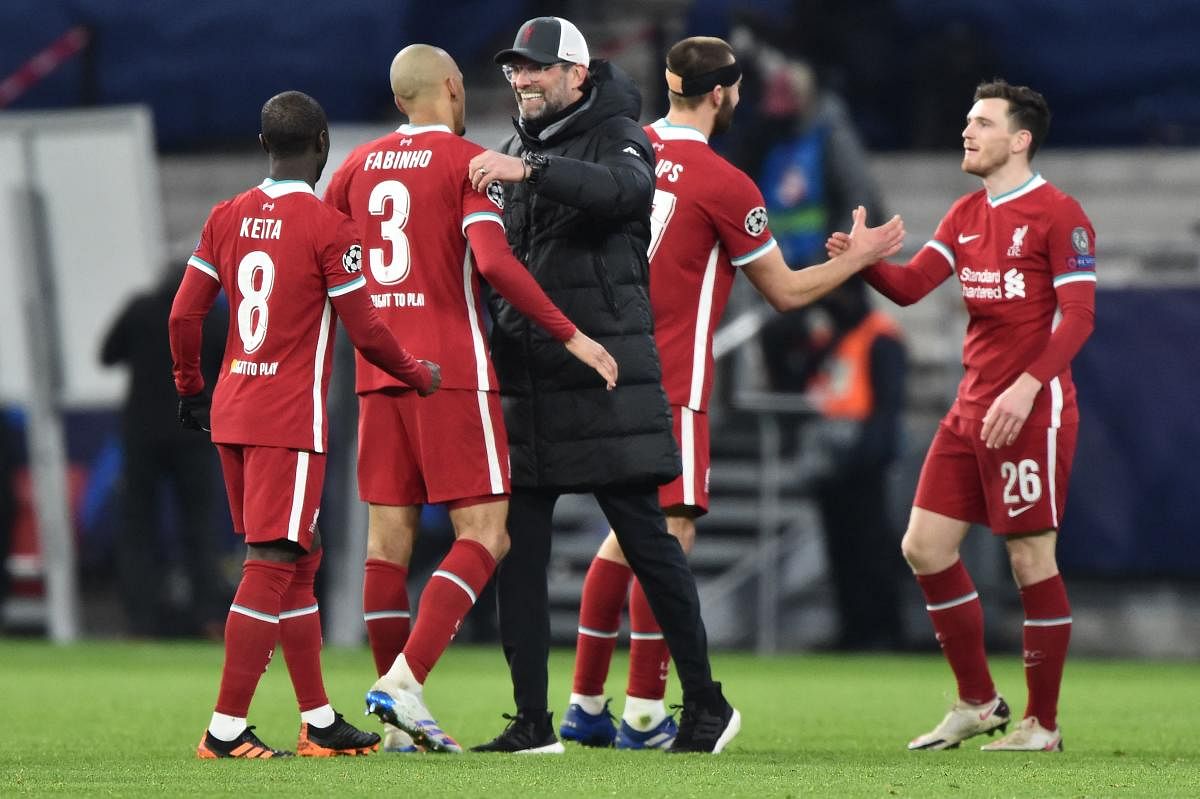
(194, 412)
(595, 356)
(435, 375)
(491, 165)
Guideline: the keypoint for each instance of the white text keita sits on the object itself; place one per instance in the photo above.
(253, 228)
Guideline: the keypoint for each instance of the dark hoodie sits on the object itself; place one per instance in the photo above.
(582, 232)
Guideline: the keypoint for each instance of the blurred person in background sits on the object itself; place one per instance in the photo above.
(1024, 255)
(162, 465)
(291, 267)
(807, 158)
(707, 223)
(851, 361)
(449, 448)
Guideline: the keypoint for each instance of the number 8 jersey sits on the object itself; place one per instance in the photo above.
(280, 254)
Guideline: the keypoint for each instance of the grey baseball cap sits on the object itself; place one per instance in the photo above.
(547, 40)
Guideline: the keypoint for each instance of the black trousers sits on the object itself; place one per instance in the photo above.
(655, 557)
(152, 468)
(864, 559)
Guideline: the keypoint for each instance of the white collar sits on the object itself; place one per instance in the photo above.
(669, 131)
(278, 188)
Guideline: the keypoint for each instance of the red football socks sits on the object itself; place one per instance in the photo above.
(300, 634)
(649, 659)
(386, 610)
(446, 600)
(957, 617)
(604, 591)
(1047, 633)
(251, 630)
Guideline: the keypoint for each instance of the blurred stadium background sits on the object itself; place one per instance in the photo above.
(122, 123)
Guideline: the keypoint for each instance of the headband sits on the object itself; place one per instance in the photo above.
(704, 82)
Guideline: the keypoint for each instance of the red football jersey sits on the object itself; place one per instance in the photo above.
(708, 218)
(410, 192)
(279, 254)
(1010, 253)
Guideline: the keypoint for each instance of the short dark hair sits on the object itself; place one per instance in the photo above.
(1027, 109)
(292, 123)
(695, 56)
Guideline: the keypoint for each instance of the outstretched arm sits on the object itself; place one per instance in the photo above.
(508, 277)
(786, 289)
(903, 284)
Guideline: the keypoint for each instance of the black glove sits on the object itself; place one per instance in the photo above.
(194, 412)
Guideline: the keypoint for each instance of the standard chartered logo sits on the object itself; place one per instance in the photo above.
(1014, 284)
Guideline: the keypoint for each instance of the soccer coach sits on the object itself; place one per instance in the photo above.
(577, 181)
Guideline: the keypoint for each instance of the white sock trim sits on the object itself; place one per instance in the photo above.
(643, 714)
(962, 600)
(387, 614)
(254, 614)
(226, 728)
(292, 614)
(319, 716)
(1048, 622)
(401, 674)
(590, 704)
(454, 578)
(593, 633)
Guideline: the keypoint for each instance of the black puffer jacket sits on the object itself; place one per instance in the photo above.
(582, 232)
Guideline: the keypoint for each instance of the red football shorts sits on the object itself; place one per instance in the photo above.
(415, 450)
(274, 493)
(691, 487)
(1019, 488)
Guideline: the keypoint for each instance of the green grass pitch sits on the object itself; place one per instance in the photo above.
(124, 719)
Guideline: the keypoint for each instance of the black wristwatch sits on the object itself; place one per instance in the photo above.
(537, 164)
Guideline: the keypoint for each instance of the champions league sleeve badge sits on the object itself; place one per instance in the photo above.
(352, 259)
(495, 193)
(756, 221)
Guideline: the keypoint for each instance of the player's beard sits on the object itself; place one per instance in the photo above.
(983, 164)
(724, 116)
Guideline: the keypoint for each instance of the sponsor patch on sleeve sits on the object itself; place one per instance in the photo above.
(1081, 262)
(1079, 240)
(352, 259)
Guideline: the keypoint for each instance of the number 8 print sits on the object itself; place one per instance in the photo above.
(252, 315)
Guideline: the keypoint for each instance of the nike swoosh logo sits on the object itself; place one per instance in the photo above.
(1018, 511)
(964, 239)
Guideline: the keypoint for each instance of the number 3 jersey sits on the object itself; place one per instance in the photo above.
(280, 254)
(410, 191)
(707, 219)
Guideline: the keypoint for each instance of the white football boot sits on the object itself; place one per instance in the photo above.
(965, 721)
(1029, 736)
